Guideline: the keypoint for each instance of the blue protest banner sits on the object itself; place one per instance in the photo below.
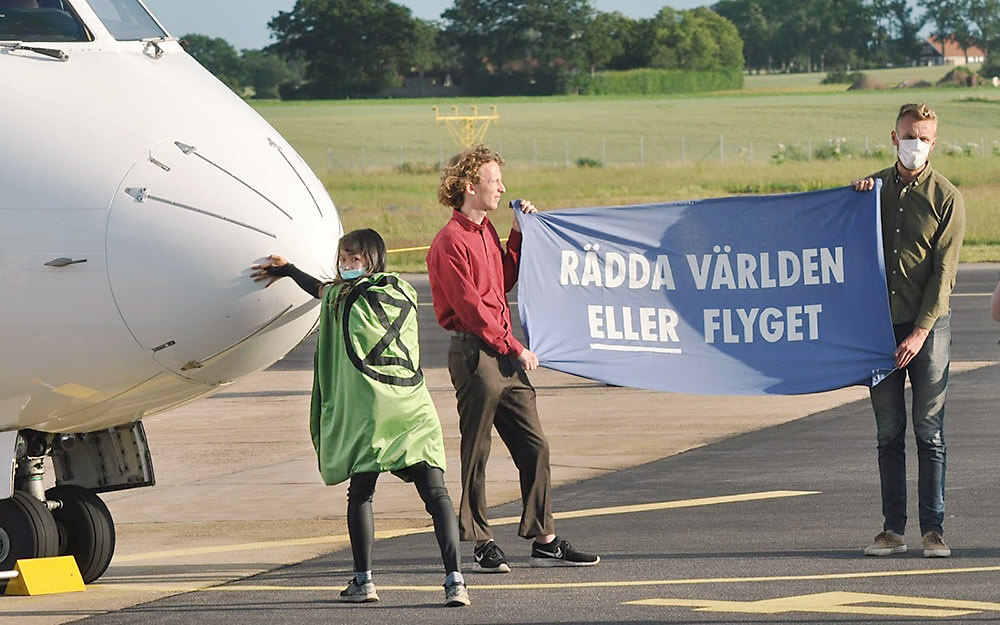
(781, 294)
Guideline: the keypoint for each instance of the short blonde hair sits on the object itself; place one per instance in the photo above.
(917, 112)
(463, 169)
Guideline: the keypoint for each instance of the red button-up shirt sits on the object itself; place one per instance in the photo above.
(470, 275)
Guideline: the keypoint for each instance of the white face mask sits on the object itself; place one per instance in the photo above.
(913, 153)
(353, 274)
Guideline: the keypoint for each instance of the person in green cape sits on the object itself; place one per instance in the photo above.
(371, 411)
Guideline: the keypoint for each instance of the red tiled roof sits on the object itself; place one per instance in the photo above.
(951, 47)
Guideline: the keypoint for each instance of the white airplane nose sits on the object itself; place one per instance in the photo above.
(186, 225)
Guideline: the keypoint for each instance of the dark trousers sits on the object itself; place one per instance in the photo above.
(494, 391)
(430, 486)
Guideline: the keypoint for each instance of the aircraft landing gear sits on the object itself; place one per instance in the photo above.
(85, 528)
(27, 530)
(80, 526)
(69, 519)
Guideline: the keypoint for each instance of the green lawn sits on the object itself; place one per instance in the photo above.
(653, 149)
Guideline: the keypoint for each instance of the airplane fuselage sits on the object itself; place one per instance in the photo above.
(136, 191)
(158, 187)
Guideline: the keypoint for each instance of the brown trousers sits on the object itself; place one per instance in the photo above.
(494, 391)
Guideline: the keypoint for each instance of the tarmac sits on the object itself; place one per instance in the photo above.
(238, 494)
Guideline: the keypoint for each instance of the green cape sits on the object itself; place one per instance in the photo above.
(371, 411)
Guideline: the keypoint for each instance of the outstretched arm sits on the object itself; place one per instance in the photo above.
(279, 267)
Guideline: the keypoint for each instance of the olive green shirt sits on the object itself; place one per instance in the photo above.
(923, 224)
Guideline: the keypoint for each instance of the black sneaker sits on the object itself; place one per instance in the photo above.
(559, 553)
(490, 559)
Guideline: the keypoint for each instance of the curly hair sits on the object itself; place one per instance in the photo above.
(462, 169)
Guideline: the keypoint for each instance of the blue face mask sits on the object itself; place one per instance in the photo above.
(353, 274)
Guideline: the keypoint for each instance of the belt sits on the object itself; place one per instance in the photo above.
(477, 341)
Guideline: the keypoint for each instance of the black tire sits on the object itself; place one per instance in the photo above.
(27, 530)
(86, 529)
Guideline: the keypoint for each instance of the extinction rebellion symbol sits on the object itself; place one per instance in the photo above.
(376, 364)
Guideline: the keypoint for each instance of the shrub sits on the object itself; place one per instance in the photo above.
(839, 76)
(765, 188)
(785, 153)
(538, 81)
(658, 81)
(585, 161)
(990, 68)
(878, 151)
(835, 149)
(954, 149)
(418, 168)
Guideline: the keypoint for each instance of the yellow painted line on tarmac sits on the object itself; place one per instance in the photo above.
(671, 505)
(344, 539)
(584, 585)
(400, 250)
(421, 248)
(335, 539)
(854, 603)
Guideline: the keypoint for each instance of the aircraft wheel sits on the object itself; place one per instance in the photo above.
(27, 530)
(86, 529)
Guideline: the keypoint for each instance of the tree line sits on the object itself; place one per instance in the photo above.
(825, 35)
(361, 48)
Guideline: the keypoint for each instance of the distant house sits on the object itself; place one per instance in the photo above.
(931, 53)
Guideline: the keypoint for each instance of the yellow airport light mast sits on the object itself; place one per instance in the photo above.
(467, 130)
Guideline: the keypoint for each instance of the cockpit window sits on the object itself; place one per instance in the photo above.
(126, 20)
(40, 20)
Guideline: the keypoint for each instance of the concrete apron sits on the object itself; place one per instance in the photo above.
(238, 491)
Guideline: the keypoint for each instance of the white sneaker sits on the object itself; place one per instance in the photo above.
(359, 593)
(456, 595)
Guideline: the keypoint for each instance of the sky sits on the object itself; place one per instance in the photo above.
(243, 23)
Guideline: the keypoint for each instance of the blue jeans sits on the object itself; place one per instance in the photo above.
(928, 373)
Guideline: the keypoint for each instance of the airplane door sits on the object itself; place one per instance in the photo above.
(186, 225)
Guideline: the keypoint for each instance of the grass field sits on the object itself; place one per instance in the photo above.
(652, 149)
(812, 81)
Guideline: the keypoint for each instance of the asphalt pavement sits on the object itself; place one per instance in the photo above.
(764, 524)
(789, 556)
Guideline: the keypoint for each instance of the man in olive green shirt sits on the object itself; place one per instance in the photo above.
(923, 222)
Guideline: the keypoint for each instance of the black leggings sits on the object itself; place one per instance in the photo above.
(430, 485)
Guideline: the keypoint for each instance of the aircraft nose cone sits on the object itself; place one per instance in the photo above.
(186, 225)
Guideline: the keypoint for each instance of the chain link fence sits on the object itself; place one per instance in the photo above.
(640, 151)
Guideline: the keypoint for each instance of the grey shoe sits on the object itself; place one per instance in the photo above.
(359, 593)
(886, 543)
(934, 546)
(456, 595)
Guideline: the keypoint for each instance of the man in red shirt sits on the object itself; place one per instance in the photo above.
(470, 275)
